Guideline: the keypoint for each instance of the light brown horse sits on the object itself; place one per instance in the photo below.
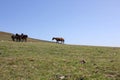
(58, 40)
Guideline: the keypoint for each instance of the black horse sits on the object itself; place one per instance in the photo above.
(24, 37)
(58, 40)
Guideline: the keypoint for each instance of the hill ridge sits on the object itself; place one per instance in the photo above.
(6, 36)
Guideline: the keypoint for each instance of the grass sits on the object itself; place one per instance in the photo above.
(51, 61)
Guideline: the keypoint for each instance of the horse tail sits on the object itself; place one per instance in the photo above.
(13, 37)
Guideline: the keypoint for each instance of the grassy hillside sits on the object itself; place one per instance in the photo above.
(50, 61)
(5, 36)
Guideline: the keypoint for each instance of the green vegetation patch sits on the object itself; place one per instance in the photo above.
(51, 61)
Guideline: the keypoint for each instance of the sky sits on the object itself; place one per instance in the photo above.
(80, 22)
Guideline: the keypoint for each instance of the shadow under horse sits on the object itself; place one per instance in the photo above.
(59, 40)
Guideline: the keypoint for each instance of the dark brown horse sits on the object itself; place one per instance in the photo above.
(13, 37)
(58, 39)
(16, 37)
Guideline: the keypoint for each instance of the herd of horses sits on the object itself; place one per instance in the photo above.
(23, 38)
(19, 38)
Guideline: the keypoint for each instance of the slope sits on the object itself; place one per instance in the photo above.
(6, 36)
(51, 61)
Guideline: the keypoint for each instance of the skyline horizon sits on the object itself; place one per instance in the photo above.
(64, 43)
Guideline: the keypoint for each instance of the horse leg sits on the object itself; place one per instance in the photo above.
(57, 41)
(25, 40)
(13, 39)
(19, 39)
(63, 42)
(16, 39)
(22, 39)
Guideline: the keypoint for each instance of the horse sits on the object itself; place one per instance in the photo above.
(24, 37)
(58, 40)
(13, 37)
(18, 37)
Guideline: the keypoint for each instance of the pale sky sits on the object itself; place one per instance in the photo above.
(81, 22)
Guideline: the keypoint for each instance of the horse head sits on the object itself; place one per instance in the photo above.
(53, 38)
